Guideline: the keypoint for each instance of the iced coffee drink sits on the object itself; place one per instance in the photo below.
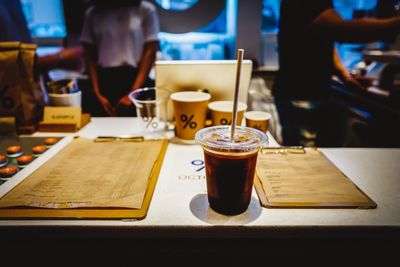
(230, 166)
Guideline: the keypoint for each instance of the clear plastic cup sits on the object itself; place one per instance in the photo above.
(230, 166)
(150, 103)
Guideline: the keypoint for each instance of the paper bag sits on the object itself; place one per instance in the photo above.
(20, 93)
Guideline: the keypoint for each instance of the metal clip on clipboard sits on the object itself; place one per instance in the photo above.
(124, 138)
(283, 150)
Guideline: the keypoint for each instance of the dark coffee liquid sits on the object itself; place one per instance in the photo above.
(229, 181)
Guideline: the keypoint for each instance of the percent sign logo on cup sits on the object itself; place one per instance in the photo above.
(257, 126)
(150, 123)
(225, 122)
(188, 121)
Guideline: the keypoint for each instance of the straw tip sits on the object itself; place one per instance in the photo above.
(240, 53)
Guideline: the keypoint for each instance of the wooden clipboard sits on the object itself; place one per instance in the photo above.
(282, 187)
(92, 213)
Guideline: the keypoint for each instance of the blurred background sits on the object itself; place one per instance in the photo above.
(53, 23)
(214, 29)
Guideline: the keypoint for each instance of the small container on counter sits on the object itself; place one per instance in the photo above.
(3, 161)
(24, 160)
(13, 152)
(8, 172)
(38, 150)
(50, 141)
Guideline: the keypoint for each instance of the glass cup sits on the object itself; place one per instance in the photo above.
(258, 119)
(221, 112)
(230, 166)
(190, 112)
(151, 103)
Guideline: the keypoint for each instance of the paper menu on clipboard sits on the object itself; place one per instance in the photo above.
(306, 179)
(90, 180)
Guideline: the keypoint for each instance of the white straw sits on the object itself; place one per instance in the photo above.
(235, 101)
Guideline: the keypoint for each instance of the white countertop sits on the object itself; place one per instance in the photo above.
(179, 205)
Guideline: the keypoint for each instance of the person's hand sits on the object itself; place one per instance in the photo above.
(364, 81)
(109, 109)
(71, 58)
(358, 82)
(124, 102)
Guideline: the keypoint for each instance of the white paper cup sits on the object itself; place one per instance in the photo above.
(221, 112)
(258, 120)
(66, 100)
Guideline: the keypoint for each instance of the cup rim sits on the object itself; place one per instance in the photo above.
(202, 96)
(228, 106)
(65, 95)
(267, 115)
(134, 100)
(217, 146)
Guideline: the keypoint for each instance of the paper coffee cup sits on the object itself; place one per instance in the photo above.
(221, 112)
(190, 111)
(258, 120)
